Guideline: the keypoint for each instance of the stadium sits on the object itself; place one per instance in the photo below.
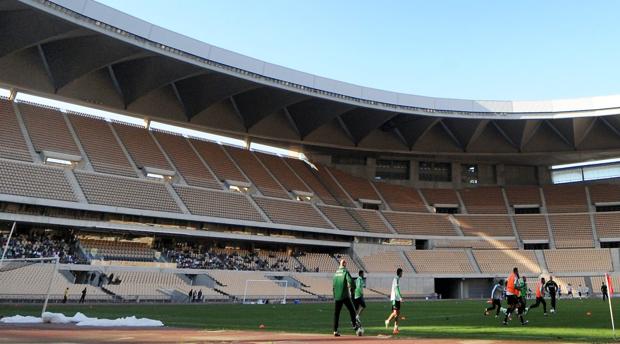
(155, 175)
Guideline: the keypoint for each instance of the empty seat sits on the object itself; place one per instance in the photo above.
(291, 212)
(186, 161)
(101, 146)
(318, 262)
(579, 260)
(522, 195)
(604, 193)
(440, 196)
(484, 200)
(282, 172)
(370, 220)
(565, 198)
(385, 262)
(607, 225)
(341, 217)
(224, 204)
(48, 130)
(126, 192)
(420, 224)
(440, 261)
(260, 177)
(213, 154)
(302, 169)
(25, 179)
(572, 230)
(141, 146)
(532, 227)
(30, 282)
(330, 183)
(485, 225)
(401, 198)
(356, 187)
(502, 262)
(483, 244)
(12, 142)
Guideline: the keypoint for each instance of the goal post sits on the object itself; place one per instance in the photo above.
(248, 284)
(14, 274)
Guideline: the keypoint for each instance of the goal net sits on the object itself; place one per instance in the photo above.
(264, 291)
(29, 280)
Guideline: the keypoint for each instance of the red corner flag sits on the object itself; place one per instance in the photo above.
(610, 286)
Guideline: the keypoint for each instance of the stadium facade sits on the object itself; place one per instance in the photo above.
(454, 191)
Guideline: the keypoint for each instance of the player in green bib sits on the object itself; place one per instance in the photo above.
(358, 298)
(342, 283)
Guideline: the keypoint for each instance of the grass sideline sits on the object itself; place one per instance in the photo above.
(430, 319)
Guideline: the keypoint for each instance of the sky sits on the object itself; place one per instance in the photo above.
(502, 50)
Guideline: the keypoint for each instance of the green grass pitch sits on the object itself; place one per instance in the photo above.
(432, 319)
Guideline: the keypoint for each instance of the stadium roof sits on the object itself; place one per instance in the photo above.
(83, 51)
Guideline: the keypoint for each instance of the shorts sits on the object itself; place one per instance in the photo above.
(359, 302)
(512, 299)
(396, 305)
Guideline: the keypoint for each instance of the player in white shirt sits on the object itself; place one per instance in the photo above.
(396, 299)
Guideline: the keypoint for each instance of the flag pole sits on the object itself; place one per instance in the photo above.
(8, 240)
(611, 312)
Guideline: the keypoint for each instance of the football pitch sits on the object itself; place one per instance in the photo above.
(575, 320)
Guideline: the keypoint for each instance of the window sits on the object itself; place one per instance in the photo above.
(435, 171)
(567, 176)
(610, 244)
(446, 210)
(527, 210)
(392, 169)
(585, 171)
(604, 208)
(537, 246)
(469, 174)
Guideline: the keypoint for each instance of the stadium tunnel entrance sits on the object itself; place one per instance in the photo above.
(463, 288)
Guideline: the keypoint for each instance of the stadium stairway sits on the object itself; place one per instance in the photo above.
(542, 262)
(615, 259)
(472, 260)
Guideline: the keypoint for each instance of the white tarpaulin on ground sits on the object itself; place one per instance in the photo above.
(81, 320)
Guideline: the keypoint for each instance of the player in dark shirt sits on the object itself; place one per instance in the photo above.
(552, 289)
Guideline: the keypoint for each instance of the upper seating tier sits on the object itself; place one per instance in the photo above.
(126, 192)
(48, 129)
(401, 198)
(101, 146)
(12, 143)
(141, 146)
(25, 179)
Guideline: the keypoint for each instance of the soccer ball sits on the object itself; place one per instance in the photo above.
(360, 331)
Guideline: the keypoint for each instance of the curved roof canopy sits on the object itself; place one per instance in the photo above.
(83, 51)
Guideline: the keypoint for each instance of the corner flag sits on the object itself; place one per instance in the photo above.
(610, 290)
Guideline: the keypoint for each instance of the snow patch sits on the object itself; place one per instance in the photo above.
(80, 319)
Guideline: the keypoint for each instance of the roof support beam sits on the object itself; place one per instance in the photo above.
(256, 104)
(175, 90)
(139, 77)
(117, 86)
(559, 133)
(202, 91)
(46, 66)
(71, 59)
(450, 133)
(290, 120)
(411, 128)
(361, 122)
(311, 114)
(34, 29)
